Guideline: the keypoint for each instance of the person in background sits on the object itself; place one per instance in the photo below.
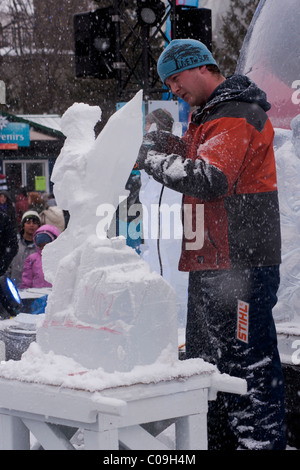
(8, 242)
(30, 222)
(159, 119)
(52, 214)
(33, 275)
(22, 205)
(35, 201)
(225, 168)
(7, 206)
(122, 218)
(162, 118)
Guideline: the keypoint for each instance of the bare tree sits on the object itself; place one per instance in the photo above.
(17, 33)
(37, 59)
(234, 29)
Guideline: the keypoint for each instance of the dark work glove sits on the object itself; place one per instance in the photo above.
(162, 142)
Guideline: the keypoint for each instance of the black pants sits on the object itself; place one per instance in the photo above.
(230, 324)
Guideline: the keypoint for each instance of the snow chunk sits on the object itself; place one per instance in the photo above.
(51, 369)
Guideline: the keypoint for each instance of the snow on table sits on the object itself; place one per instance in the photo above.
(51, 369)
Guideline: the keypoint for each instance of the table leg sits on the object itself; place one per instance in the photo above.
(14, 435)
(191, 432)
(101, 440)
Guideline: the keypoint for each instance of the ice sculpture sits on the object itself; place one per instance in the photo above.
(288, 174)
(271, 57)
(107, 308)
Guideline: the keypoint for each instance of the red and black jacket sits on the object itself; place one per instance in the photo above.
(229, 168)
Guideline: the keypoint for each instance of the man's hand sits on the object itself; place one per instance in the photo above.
(161, 142)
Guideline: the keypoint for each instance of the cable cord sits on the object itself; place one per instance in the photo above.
(158, 235)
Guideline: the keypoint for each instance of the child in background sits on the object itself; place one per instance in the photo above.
(30, 222)
(33, 275)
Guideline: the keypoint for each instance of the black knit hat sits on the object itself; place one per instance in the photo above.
(162, 118)
(30, 215)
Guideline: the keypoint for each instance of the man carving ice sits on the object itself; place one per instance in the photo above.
(226, 162)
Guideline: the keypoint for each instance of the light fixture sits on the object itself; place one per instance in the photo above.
(102, 44)
(150, 12)
(10, 301)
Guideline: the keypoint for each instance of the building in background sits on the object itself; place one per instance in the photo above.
(29, 146)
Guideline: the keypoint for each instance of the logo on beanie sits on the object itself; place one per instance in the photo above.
(189, 61)
(185, 56)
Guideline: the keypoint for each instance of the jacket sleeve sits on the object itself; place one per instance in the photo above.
(27, 275)
(212, 164)
(193, 178)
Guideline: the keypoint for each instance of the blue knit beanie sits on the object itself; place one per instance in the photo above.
(42, 237)
(183, 54)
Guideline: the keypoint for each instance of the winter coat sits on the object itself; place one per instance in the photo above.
(17, 265)
(8, 242)
(229, 171)
(53, 215)
(9, 208)
(33, 275)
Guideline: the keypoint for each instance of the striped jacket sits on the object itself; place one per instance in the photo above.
(227, 175)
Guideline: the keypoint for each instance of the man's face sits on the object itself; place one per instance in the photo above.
(189, 85)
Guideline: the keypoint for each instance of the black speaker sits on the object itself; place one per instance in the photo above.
(193, 23)
(95, 44)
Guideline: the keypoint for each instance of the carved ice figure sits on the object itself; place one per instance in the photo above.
(270, 57)
(107, 308)
(288, 175)
(275, 68)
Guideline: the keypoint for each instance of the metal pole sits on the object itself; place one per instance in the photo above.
(173, 19)
(145, 62)
(116, 20)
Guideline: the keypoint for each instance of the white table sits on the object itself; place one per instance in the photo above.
(111, 416)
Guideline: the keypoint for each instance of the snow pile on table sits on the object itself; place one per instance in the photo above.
(53, 369)
(107, 308)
